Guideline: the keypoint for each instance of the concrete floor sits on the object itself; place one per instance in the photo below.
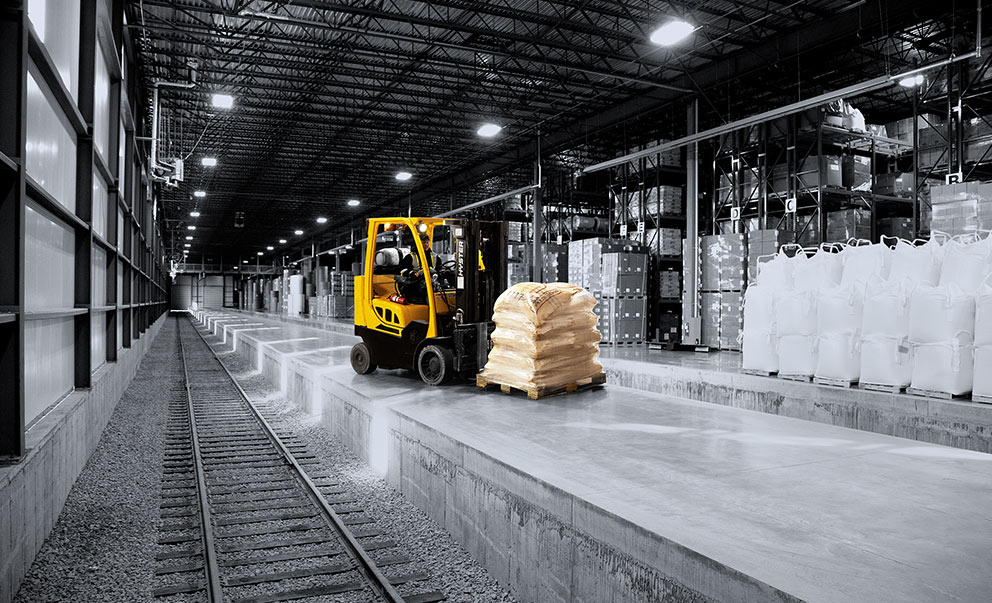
(813, 511)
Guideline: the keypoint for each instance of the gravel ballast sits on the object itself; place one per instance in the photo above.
(101, 549)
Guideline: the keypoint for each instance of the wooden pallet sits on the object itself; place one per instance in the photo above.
(848, 383)
(883, 387)
(759, 373)
(981, 399)
(630, 343)
(802, 378)
(537, 393)
(929, 393)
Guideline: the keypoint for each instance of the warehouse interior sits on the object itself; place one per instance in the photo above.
(772, 220)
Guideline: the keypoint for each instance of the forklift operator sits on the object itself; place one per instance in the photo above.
(411, 283)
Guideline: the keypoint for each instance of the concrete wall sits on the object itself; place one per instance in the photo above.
(33, 492)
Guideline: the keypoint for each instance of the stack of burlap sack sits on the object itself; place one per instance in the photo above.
(545, 336)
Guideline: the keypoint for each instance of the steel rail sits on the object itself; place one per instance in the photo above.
(366, 566)
(215, 592)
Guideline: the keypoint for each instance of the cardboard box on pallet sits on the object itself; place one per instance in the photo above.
(666, 242)
(669, 284)
(669, 326)
(856, 172)
(731, 320)
(555, 263)
(901, 228)
(709, 311)
(895, 184)
(821, 170)
(848, 224)
(723, 262)
(961, 208)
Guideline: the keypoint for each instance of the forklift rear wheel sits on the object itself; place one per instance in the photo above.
(435, 365)
(361, 359)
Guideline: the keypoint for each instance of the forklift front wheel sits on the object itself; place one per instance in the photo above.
(435, 365)
(361, 359)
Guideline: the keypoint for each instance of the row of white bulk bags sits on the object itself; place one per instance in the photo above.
(982, 385)
(821, 271)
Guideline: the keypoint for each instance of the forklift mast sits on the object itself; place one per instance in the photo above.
(480, 267)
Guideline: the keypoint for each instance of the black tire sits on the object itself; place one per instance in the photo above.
(435, 364)
(361, 359)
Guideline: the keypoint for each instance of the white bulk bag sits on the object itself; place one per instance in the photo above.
(938, 314)
(982, 385)
(966, 264)
(886, 361)
(838, 356)
(946, 367)
(886, 309)
(840, 309)
(865, 263)
(758, 350)
(776, 273)
(797, 354)
(915, 264)
(795, 312)
(821, 271)
(759, 308)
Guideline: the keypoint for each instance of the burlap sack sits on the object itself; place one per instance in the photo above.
(545, 337)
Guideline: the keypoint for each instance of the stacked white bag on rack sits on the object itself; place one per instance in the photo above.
(983, 342)
(885, 353)
(759, 339)
(841, 307)
(942, 319)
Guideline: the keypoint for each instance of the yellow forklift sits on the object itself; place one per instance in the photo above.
(425, 299)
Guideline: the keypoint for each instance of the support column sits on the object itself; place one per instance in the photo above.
(691, 321)
(537, 220)
(13, 101)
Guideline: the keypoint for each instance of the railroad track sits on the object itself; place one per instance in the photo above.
(248, 515)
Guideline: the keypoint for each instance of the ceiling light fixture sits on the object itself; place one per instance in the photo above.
(222, 101)
(186, 245)
(911, 81)
(488, 130)
(191, 227)
(298, 232)
(354, 202)
(403, 176)
(208, 161)
(270, 247)
(194, 214)
(244, 261)
(189, 237)
(260, 253)
(672, 33)
(199, 194)
(282, 241)
(322, 220)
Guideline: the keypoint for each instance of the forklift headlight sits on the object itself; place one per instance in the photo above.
(422, 227)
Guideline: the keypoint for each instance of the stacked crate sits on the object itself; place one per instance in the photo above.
(656, 201)
(900, 228)
(623, 303)
(518, 264)
(723, 278)
(664, 242)
(585, 260)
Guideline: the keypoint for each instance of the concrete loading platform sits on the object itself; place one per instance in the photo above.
(620, 494)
